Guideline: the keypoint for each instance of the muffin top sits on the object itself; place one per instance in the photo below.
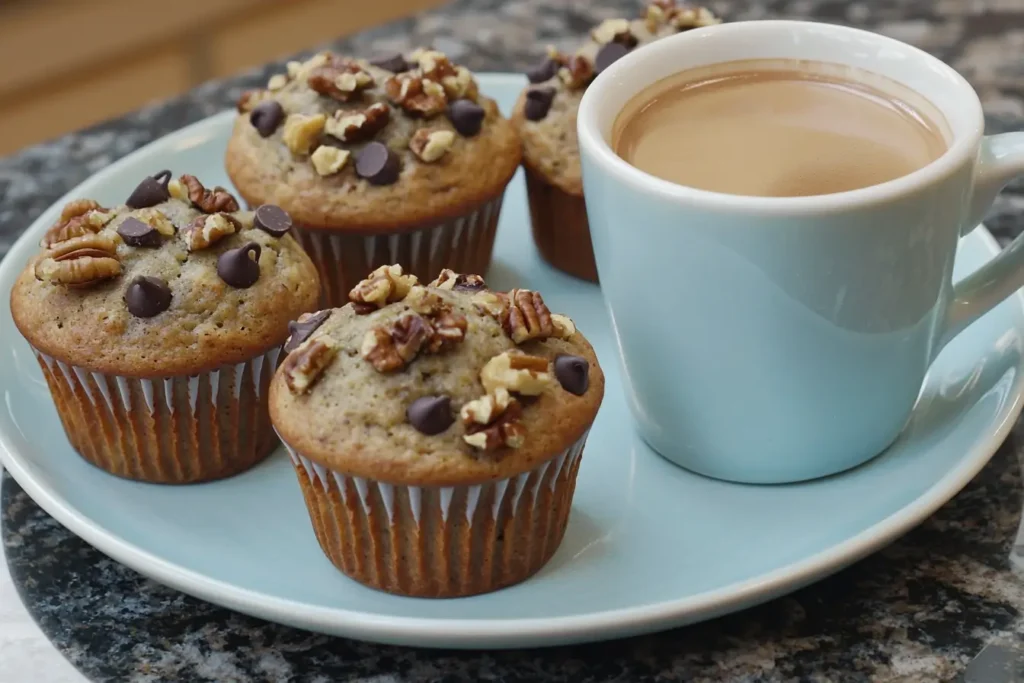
(444, 384)
(545, 114)
(373, 146)
(176, 281)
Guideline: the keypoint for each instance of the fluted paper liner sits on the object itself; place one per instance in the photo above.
(463, 244)
(440, 541)
(173, 430)
(561, 230)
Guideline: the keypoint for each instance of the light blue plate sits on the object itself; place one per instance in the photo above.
(649, 545)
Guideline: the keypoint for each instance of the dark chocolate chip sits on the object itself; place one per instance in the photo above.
(378, 164)
(266, 117)
(430, 415)
(272, 219)
(147, 296)
(544, 71)
(150, 192)
(538, 103)
(237, 268)
(467, 116)
(573, 373)
(135, 233)
(608, 55)
(299, 330)
(394, 63)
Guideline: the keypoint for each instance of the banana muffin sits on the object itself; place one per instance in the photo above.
(437, 430)
(395, 160)
(545, 116)
(158, 325)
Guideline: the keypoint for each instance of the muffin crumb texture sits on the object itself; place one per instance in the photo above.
(442, 382)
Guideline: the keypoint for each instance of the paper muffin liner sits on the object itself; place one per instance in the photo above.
(173, 430)
(463, 244)
(560, 227)
(440, 542)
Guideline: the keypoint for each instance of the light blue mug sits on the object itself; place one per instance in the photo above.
(769, 339)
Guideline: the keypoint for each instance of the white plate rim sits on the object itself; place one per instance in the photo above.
(494, 633)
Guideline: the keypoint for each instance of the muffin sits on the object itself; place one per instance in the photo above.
(437, 430)
(398, 160)
(545, 116)
(158, 325)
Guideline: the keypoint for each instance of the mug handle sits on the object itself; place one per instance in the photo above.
(1001, 160)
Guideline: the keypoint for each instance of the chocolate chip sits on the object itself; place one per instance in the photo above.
(394, 63)
(237, 268)
(266, 117)
(150, 192)
(135, 233)
(147, 296)
(300, 330)
(573, 373)
(538, 103)
(430, 415)
(544, 71)
(273, 220)
(609, 54)
(467, 116)
(378, 164)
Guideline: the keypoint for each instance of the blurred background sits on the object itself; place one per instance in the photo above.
(65, 64)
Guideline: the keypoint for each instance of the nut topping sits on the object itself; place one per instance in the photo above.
(693, 17)
(577, 73)
(564, 326)
(80, 261)
(383, 286)
(339, 78)
(423, 301)
(359, 126)
(516, 372)
(301, 131)
(390, 348)
(416, 95)
(157, 220)
(188, 188)
(448, 329)
(450, 280)
(276, 82)
(433, 64)
(205, 231)
(329, 160)
(613, 31)
(494, 304)
(249, 99)
(528, 316)
(73, 222)
(303, 366)
(492, 422)
(431, 145)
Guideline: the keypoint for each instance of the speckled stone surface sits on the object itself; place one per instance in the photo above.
(942, 603)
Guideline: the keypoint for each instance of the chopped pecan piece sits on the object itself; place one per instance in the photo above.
(430, 145)
(577, 72)
(423, 301)
(450, 280)
(157, 220)
(359, 126)
(493, 422)
(494, 304)
(188, 188)
(391, 348)
(383, 286)
(516, 372)
(304, 366)
(433, 64)
(448, 329)
(205, 231)
(340, 79)
(528, 316)
(416, 95)
(613, 31)
(564, 326)
(685, 18)
(301, 131)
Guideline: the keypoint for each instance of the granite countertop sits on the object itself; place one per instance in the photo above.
(941, 603)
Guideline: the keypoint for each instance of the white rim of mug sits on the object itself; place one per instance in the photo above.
(603, 154)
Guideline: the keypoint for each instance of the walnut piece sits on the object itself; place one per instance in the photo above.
(276, 82)
(423, 301)
(359, 126)
(460, 85)
(80, 261)
(188, 188)
(518, 373)
(329, 160)
(485, 409)
(564, 326)
(157, 220)
(205, 231)
(693, 17)
(612, 31)
(383, 286)
(416, 95)
(528, 316)
(301, 131)
(340, 79)
(433, 64)
(577, 73)
(494, 304)
(430, 145)
(304, 366)
(493, 422)
(391, 348)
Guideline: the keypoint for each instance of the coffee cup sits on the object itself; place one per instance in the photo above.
(778, 339)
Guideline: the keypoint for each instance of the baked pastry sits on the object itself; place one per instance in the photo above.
(545, 116)
(158, 325)
(398, 160)
(437, 430)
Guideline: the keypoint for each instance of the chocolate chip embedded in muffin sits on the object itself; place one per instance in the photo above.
(147, 296)
(538, 103)
(240, 267)
(135, 233)
(272, 220)
(430, 415)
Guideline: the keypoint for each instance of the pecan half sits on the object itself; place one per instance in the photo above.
(577, 73)
(528, 316)
(383, 286)
(418, 96)
(205, 231)
(516, 372)
(391, 348)
(359, 126)
(188, 188)
(340, 79)
(80, 261)
(304, 366)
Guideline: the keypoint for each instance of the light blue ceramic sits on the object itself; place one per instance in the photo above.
(781, 339)
(649, 545)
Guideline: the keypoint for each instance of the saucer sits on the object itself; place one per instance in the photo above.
(649, 545)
